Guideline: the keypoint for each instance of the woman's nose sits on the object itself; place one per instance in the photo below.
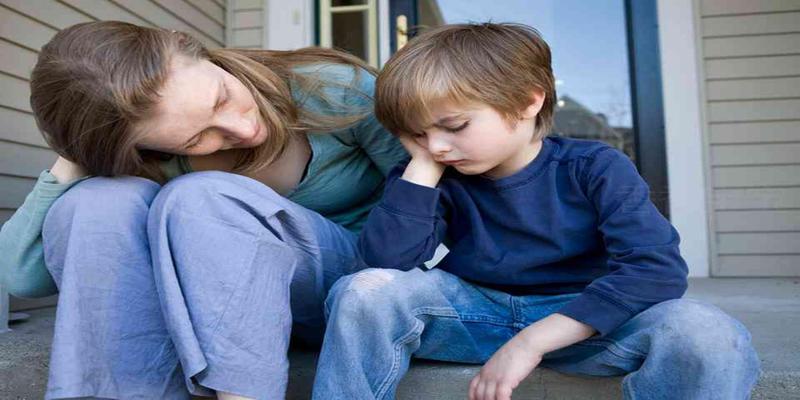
(239, 128)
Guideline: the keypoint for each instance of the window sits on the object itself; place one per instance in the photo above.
(350, 25)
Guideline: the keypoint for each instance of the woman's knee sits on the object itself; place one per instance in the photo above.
(99, 226)
(102, 202)
(218, 195)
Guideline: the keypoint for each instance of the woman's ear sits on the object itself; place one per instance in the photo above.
(537, 101)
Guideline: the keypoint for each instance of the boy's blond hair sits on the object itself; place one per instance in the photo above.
(496, 64)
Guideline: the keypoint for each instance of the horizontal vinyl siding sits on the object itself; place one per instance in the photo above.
(247, 24)
(25, 26)
(755, 154)
(751, 56)
(759, 24)
(771, 198)
(758, 221)
(13, 190)
(753, 67)
(753, 132)
(767, 265)
(756, 89)
(734, 7)
(756, 176)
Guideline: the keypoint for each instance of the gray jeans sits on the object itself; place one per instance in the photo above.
(189, 288)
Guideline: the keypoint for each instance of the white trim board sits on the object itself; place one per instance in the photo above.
(685, 140)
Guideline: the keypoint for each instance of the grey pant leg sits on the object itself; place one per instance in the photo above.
(234, 262)
(110, 340)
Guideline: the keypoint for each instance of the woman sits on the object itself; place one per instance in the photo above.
(192, 287)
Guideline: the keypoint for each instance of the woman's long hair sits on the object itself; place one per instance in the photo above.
(93, 82)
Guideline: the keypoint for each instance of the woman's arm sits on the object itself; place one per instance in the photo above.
(22, 267)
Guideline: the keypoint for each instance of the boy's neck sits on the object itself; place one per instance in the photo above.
(517, 162)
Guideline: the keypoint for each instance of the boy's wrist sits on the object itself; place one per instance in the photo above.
(554, 332)
(534, 341)
(423, 172)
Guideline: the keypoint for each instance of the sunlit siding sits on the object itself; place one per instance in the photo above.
(751, 58)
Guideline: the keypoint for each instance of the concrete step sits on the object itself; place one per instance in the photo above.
(446, 381)
(770, 308)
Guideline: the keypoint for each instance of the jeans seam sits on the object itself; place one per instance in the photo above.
(476, 318)
(514, 310)
(627, 350)
(612, 347)
(406, 338)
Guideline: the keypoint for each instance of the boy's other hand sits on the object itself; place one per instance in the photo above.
(519, 356)
(504, 371)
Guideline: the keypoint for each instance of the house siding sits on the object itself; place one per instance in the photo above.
(246, 25)
(751, 72)
(25, 26)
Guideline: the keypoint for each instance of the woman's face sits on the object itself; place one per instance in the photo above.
(203, 109)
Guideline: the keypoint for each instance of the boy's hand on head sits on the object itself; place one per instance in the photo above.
(504, 371)
(415, 149)
(423, 169)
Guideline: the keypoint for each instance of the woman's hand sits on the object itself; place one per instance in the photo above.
(504, 371)
(66, 171)
(423, 169)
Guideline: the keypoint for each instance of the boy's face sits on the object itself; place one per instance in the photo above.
(475, 139)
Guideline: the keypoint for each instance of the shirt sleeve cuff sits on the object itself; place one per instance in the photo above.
(47, 190)
(409, 198)
(596, 311)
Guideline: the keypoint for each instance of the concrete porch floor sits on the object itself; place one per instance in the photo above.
(770, 308)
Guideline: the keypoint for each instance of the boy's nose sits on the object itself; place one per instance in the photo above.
(438, 146)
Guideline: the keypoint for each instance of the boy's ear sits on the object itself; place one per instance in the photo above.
(537, 101)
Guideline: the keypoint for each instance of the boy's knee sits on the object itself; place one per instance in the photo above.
(371, 291)
(704, 333)
(367, 284)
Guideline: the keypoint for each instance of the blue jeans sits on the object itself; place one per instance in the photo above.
(379, 319)
(189, 288)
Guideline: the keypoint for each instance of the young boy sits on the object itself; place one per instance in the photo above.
(557, 255)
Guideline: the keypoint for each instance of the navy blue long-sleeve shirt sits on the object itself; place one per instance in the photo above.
(578, 218)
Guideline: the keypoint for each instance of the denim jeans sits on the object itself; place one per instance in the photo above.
(187, 288)
(379, 319)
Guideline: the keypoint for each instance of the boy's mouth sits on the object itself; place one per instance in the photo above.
(452, 162)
